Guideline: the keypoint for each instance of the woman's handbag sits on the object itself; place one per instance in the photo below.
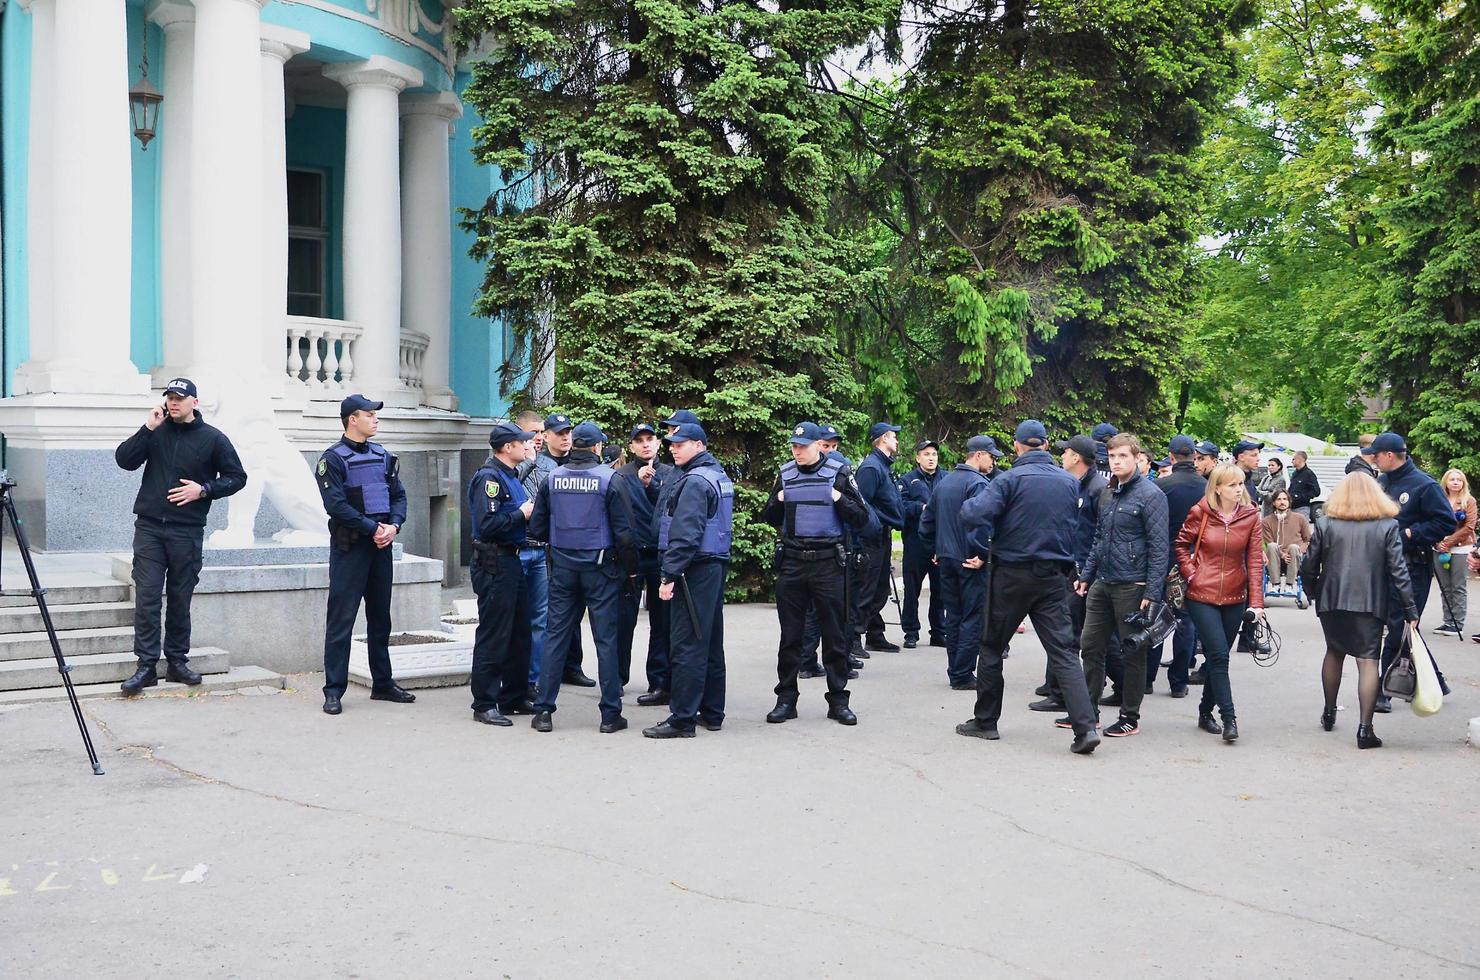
(1176, 584)
(1428, 695)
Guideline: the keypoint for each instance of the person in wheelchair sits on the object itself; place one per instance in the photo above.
(1286, 537)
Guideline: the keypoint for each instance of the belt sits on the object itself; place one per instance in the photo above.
(805, 554)
(499, 548)
(532, 543)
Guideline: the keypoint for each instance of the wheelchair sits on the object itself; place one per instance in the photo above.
(1297, 593)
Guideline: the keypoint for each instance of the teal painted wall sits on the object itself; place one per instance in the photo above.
(146, 342)
(15, 94)
(432, 8)
(337, 38)
(316, 142)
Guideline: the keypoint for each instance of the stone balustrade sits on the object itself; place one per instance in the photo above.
(321, 354)
(413, 358)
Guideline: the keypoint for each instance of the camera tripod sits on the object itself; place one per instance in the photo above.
(39, 594)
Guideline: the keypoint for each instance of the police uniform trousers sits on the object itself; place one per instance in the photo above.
(502, 643)
(359, 571)
(1040, 591)
(167, 560)
(964, 592)
(697, 646)
(874, 571)
(648, 579)
(575, 589)
(918, 568)
(812, 580)
(1421, 574)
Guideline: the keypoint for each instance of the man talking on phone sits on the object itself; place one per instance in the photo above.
(187, 464)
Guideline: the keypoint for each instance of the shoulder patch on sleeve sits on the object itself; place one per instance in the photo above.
(323, 466)
(490, 487)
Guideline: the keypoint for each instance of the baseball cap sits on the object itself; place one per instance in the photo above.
(687, 431)
(983, 444)
(828, 432)
(926, 444)
(1103, 431)
(1389, 442)
(1164, 461)
(1244, 445)
(183, 387)
(504, 432)
(352, 404)
(640, 428)
(805, 434)
(1182, 446)
(683, 415)
(557, 423)
(587, 434)
(1030, 432)
(1206, 448)
(879, 428)
(1083, 446)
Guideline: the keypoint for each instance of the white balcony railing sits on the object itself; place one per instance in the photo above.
(321, 354)
(413, 358)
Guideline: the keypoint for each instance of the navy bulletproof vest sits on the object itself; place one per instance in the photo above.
(717, 529)
(365, 482)
(813, 514)
(578, 519)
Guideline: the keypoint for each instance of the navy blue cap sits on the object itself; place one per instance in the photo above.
(1244, 445)
(1031, 432)
(1103, 431)
(805, 434)
(183, 387)
(924, 444)
(1164, 461)
(640, 428)
(828, 432)
(507, 432)
(1389, 442)
(879, 428)
(558, 423)
(1182, 446)
(587, 434)
(1206, 448)
(983, 444)
(1083, 446)
(682, 416)
(687, 431)
(352, 404)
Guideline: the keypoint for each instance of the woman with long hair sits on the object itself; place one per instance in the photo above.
(1220, 553)
(1452, 555)
(1354, 562)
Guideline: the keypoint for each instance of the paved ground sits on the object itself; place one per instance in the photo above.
(254, 836)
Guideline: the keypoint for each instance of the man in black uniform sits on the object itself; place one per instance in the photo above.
(917, 485)
(645, 479)
(1184, 487)
(960, 556)
(558, 435)
(695, 523)
(1031, 512)
(586, 515)
(813, 500)
(1101, 434)
(500, 509)
(876, 482)
(187, 464)
(361, 488)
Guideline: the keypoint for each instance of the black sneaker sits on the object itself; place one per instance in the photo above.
(1043, 690)
(966, 685)
(1047, 704)
(974, 729)
(1122, 728)
(880, 644)
(1111, 700)
(1064, 722)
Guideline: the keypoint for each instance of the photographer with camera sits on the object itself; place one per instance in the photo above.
(1220, 553)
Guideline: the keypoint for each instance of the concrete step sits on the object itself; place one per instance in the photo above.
(234, 679)
(97, 668)
(75, 643)
(85, 615)
(65, 595)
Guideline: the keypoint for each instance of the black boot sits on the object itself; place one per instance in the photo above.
(857, 651)
(1206, 723)
(880, 644)
(839, 712)
(1367, 738)
(181, 674)
(1230, 730)
(1328, 719)
(541, 722)
(785, 710)
(143, 677)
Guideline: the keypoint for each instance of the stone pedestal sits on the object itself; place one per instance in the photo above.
(444, 662)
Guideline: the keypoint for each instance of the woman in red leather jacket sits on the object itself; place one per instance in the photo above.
(1219, 551)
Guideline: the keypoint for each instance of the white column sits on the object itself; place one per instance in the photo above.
(177, 19)
(226, 220)
(278, 45)
(81, 192)
(426, 229)
(372, 220)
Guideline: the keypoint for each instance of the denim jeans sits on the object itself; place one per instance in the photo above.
(537, 583)
(1218, 626)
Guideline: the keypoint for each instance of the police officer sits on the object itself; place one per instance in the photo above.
(695, 522)
(360, 484)
(876, 483)
(586, 515)
(645, 479)
(1245, 454)
(916, 488)
(827, 443)
(1101, 434)
(1424, 519)
(1031, 512)
(1205, 458)
(960, 557)
(813, 499)
(187, 464)
(500, 509)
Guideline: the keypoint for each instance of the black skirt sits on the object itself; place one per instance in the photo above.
(1355, 634)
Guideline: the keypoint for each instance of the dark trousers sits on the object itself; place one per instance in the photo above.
(1420, 573)
(818, 586)
(166, 569)
(697, 655)
(1184, 643)
(964, 595)
(873, 571)
(1218, 626)
(359, 572)
(1040, 591)
(574, 591)
(1115, 665)
(918, 568)
(1105, 609)
(657, 651)
(812, 632)
(1076, 621)
(501, 645)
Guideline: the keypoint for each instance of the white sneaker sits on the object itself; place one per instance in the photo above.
(1445, 630)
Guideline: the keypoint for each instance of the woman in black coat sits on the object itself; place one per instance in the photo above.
(1354, 564)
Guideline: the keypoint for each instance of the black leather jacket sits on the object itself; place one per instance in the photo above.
(1353, 566)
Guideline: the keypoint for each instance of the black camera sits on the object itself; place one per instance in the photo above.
(1256, 636)
(1151, 626)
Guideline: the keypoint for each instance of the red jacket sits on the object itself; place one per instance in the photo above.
(1228, 559)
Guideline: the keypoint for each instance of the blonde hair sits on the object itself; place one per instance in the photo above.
(1464, 485)
(1217, 479)
(1358, 498)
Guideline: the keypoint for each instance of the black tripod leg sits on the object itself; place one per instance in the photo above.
(51, 631)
